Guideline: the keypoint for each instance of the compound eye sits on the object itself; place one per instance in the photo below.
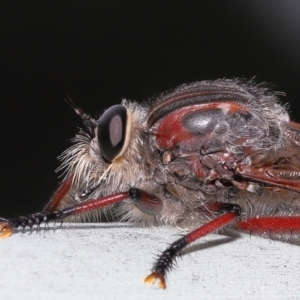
(111, 131)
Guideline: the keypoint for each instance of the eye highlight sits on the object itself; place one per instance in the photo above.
(111, 131)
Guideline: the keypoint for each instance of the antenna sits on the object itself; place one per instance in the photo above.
(80, 112)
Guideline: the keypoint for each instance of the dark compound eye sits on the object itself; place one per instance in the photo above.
(111, 131)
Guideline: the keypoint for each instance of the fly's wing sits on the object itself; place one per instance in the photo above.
(281, 167)
(60, 196)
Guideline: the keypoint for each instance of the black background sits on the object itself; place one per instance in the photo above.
(99, 52)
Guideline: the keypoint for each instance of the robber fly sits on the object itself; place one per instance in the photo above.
(205, 156)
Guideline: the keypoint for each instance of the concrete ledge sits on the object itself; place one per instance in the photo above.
(110, 261)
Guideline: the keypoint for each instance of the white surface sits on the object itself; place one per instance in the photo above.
(110, 261)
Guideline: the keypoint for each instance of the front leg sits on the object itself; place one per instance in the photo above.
(140, 197)
(168, 257)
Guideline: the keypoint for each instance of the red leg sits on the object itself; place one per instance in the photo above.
(167, 258)
(59, 195)
(274, 224)
(6, 227)
(147, 200)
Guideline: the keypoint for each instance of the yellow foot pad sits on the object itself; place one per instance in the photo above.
(5, 230)
(153, 277)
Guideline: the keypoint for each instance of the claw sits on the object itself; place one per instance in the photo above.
(153, 277)
(5, 230)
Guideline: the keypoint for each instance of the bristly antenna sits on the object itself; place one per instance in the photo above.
(80, 112)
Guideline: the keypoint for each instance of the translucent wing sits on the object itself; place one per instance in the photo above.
(280, 167)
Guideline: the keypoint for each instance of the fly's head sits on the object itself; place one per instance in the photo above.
(109, 156)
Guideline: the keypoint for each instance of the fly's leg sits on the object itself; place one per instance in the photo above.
(271, 224)
(7, 225)
(5, 228)
(59, 195)
(48, 214)
(168, 257)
